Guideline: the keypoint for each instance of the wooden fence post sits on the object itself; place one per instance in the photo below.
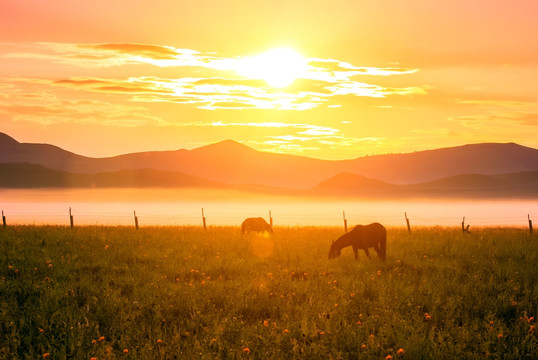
(71, 219)
(530, 223)
(136, 220)
(203, 220)
(465, 229)
(407, 221)
(345, 221)
(270, 219)
(3, 219)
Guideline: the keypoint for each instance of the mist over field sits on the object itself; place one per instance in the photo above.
(183, 207)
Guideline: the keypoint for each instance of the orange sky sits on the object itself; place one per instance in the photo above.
(102, 78)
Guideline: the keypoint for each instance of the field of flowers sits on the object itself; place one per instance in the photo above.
(185, 293)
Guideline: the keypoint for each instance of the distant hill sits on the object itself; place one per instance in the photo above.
(514, 185)
(21, 175)
(229, 162)
(352, 184)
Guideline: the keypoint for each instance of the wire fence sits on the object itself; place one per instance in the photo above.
(285, 216)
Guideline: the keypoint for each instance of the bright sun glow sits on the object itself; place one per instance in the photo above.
(278, 67)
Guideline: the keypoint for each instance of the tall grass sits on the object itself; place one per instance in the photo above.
(186, 293)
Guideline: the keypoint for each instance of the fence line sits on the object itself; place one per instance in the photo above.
(234, 218)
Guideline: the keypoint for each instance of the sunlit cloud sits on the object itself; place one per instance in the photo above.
(298, 137)
(45, 108)
(499, 103)
(510, 118)
(321, 82)
(307, 129)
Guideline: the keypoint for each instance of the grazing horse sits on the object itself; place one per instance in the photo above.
(362, 237)
(255, 224)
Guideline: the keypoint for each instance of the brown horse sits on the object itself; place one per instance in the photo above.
(255, 224)
(362, 237)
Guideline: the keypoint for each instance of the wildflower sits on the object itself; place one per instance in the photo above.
(46, 355)
(269, 274)
(514, 303)
(532, 329)
(265, 323)
(359, 322)
(363, 346)
(101, 339)
(246, 350)
(500, 336)
(286, 331)
(94, 341)
(159, 341)
(213, 340)
(427, 317)
(93, 358)
(400, 351)
(378, 272)
(322, 332)
(125, 351)
(203, 282)
(388, 357)
(41, 330)
(531, 319)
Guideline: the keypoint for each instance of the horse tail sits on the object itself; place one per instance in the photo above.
(383, 245)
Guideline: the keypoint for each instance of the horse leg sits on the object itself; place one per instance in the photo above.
(367, 252)
(356, 252)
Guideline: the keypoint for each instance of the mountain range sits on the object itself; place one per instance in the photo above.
(488, 169)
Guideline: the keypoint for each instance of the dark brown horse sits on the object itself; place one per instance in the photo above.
(362, 237)
(255, 224)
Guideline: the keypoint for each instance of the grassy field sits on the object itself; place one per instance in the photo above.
(186, 293)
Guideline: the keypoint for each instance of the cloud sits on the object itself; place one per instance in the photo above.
(43, 107)
(323, 82)
(523, 118)
(142, 50)
(498, 103)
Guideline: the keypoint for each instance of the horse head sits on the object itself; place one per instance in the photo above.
(334, 251)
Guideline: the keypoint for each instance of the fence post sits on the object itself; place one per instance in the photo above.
(407, 221)
(345, 221)
(465, 229)
(136, 220)
(71, 219)
(530, 223)
(203, 219)
(3, 219)
(270, 219)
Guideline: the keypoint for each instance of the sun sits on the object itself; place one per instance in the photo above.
(278, 67)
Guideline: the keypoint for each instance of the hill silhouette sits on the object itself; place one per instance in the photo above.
(229, 162)
(514, 185)
(22, 175)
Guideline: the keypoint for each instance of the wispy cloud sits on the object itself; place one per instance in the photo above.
(322, 83)
(509, 118)
(44, 107)
(297, 137)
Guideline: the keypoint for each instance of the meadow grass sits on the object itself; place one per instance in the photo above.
(186, 293)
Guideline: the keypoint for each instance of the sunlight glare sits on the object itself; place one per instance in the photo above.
(278, 67)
